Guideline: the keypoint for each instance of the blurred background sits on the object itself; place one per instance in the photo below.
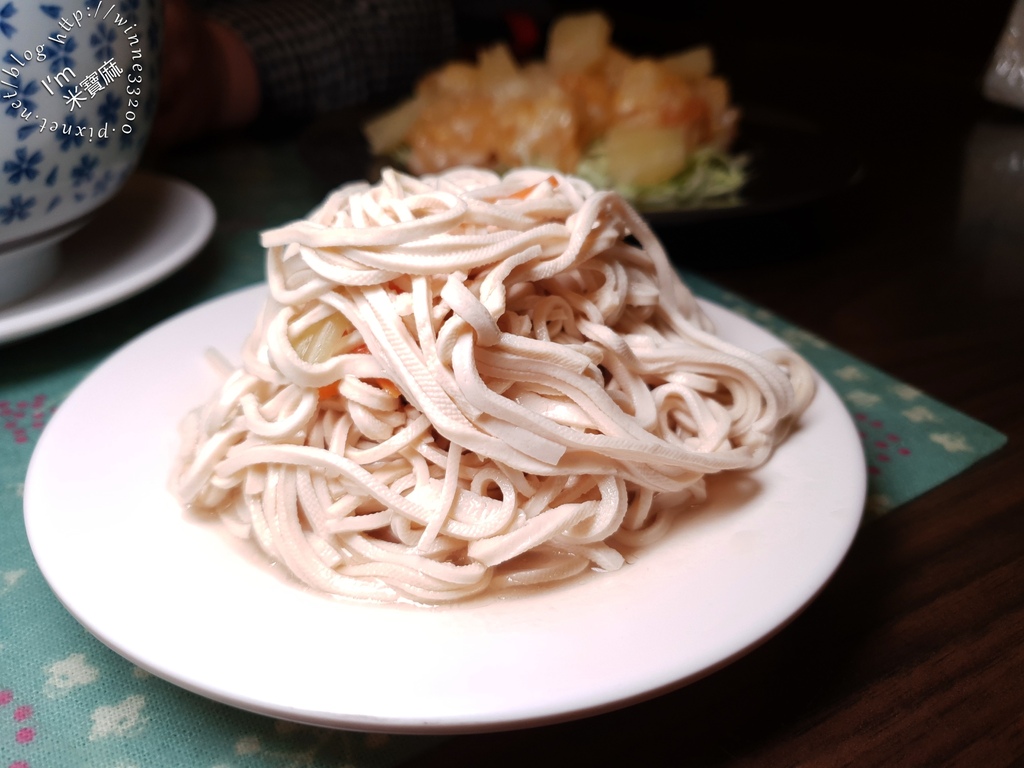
(882, 156)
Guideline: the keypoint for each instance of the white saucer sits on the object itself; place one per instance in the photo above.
(184, 600)
(151, 228)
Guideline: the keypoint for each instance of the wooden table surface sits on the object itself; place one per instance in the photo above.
(914, 652)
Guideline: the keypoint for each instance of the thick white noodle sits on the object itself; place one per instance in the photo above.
(560, 394)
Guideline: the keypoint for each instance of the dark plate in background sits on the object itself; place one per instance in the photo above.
(792, 163)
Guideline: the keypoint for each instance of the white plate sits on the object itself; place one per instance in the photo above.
(184, 601)
(149, 229)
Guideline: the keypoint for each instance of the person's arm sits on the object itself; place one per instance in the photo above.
(288, 61)
(209, 80)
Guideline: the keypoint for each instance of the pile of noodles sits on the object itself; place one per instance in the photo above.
(512, 386)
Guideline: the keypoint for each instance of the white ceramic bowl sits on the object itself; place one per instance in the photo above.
(78, 91)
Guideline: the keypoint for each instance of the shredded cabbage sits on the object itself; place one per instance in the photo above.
(711, 178)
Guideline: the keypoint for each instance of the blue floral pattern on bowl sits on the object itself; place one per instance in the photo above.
(78, 80)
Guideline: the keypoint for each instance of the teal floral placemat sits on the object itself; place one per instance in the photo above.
(65, 699)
